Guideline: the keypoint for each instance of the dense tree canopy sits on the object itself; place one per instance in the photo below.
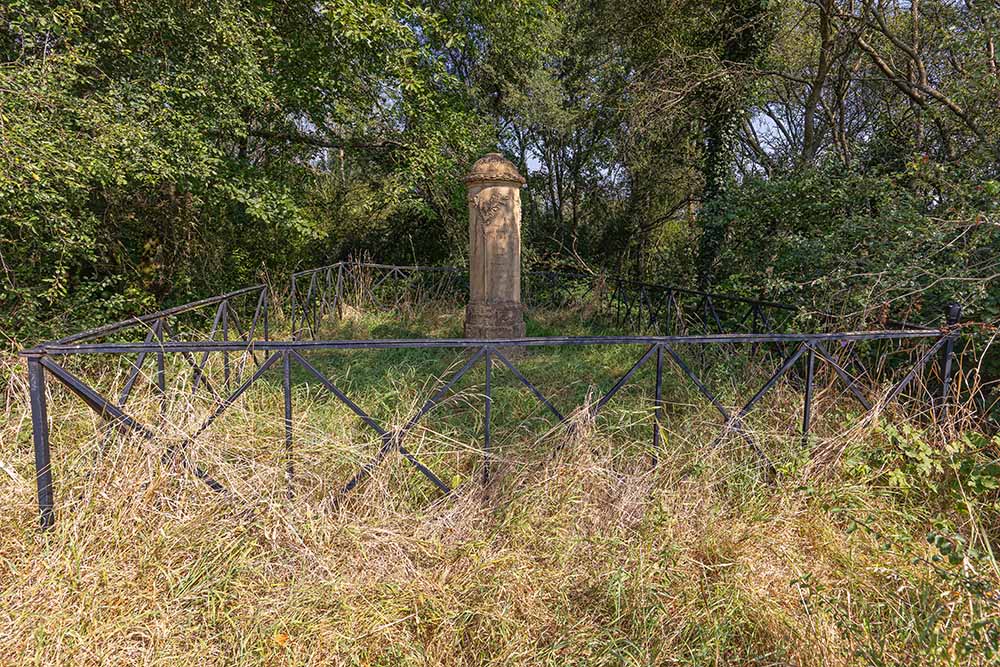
(839, 154)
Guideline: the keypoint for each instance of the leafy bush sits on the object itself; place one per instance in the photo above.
(901, 245)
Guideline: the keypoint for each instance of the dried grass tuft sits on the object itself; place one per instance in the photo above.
(577, 552)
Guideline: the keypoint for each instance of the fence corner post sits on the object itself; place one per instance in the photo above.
(40, 436)
(658, 404)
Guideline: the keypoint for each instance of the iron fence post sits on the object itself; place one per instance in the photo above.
(40, 435)
(488, 417)
(753, 329)
(807, 404)
(225, 337)
(668, 323)
(324, 293)
(952, 316)
(292, 309)
(658, 404)
(309, 307)
(287, 386)
(267, 319)
(161, 371)
(338, 296)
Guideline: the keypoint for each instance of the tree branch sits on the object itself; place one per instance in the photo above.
(320, 142)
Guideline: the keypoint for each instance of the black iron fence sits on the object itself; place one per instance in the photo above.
(242, 333)
(318, 297)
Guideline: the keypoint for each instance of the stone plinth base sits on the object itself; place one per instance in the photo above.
(494, 320)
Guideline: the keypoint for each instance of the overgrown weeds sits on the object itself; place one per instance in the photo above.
(578, 552)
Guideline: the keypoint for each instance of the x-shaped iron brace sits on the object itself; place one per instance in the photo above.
(391, 440)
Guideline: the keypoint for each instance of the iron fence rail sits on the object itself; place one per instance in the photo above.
(253, 337)
(44, 360)
(223, 301)
(389, 343)
(319, 294)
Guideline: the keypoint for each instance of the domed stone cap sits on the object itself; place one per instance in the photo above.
(494, 167)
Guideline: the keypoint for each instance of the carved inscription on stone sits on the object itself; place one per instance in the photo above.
(494, 199)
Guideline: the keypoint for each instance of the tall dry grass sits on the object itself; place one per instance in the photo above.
(579, 551)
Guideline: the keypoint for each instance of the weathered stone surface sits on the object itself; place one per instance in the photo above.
(494, 167)
(494, 197)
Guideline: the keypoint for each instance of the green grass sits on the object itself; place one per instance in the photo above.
(579, 552)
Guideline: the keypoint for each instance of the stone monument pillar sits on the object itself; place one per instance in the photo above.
(494, 195)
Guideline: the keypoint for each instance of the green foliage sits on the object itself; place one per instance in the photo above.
(154, 152)
(937, 604)
(902, 244)
(960, 470)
